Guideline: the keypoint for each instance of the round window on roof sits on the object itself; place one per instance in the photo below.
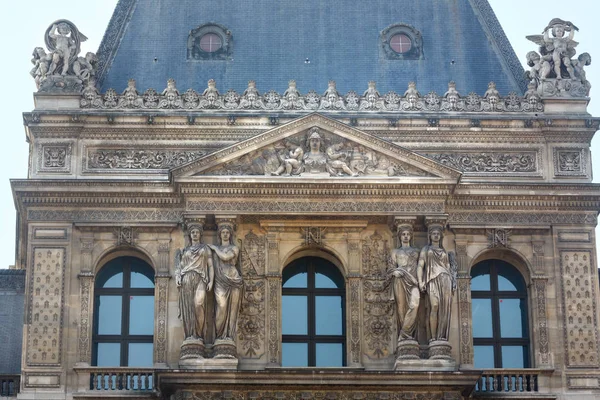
(400, 43)
(210, 42)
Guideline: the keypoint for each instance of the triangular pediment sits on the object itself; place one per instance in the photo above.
(317, 147)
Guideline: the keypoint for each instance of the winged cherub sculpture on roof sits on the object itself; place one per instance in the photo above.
(554, 62)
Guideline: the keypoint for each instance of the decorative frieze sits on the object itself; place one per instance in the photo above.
(500, 163)
(579, 304)
(509, 218)
(84, 215)
(292, 100)
(98, 159)
(46, 297)
(310, 394)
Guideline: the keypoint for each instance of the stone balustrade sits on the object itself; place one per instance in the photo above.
(509, 381)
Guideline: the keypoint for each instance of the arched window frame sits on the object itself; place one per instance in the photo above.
(126, 292)
(312, 338)
(496, 296)
(195, 53)
(416, 50)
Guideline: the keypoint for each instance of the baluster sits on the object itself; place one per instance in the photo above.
(535, 383)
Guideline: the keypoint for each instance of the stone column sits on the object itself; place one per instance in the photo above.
(161, 296)
(86, 305)
(274, 296)
(464, 303)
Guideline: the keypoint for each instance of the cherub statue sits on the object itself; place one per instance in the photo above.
(130, 98)
(41, 63)
(452, 95)
(560, 47)
(336, 165)
(540, 67)
(171, 99)
(63, 39)
(84, 67)
(582, 61)
(292, 164)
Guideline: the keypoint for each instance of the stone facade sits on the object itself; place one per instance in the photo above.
(328, 176)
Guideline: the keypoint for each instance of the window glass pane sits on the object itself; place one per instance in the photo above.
(328, 277)
(141, 315)
(140, 355)
(480, 277)
(514, 356)
(294, 315)
(484, 356)
(509, 278)
(115, 281)
(512, 317)
(140, 279)
(295, 276)
(328, 315)
(481, 282)
(482, 318)
(329, 355)
(109, 315)
(109, 354)
(294, 354)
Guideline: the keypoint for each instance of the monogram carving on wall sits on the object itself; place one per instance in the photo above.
(54, 157)
(45, 311)
(132, 159)
(331, 100)
(478, 162)
(313, 235)
(570, 162)
(251, 333)
(579, 302)
(125, 235)
(498, 238)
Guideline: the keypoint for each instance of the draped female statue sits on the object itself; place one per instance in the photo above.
(407, 275)
(194, 276)
(439, 282)
(228, 285)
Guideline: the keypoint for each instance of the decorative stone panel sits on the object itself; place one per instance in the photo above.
(464, 316)
(45, 317)
(570, 162)
(54, 157)
(579, 303)
(542, 331)
(499, 163)
(274, 283)
(137, 160)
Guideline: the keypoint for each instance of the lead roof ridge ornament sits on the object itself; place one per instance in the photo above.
(211, 100)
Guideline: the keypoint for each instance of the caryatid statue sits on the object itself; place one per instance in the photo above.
(407, 279)
(194, 277)
(439, 283)
(228, 286)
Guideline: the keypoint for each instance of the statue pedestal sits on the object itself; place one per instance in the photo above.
(408, 350)
(424, 365)
(440, 350)
(225, 349)
(209, 364)
(192, 352)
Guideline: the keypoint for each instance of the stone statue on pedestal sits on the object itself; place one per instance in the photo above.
(439, 284)
(228, 289)
(407, 277)
(62, 70)
(194, 277)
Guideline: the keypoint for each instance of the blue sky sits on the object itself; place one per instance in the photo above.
(27, 20)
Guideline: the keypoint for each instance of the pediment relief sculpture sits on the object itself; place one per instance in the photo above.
(316, 153)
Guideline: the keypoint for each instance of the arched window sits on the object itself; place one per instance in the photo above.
(124, 314)
(499, 310)
(313, 315)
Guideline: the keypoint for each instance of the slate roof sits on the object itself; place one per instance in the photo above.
(147, 40)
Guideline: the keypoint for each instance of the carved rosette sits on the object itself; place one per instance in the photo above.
(378, 309)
